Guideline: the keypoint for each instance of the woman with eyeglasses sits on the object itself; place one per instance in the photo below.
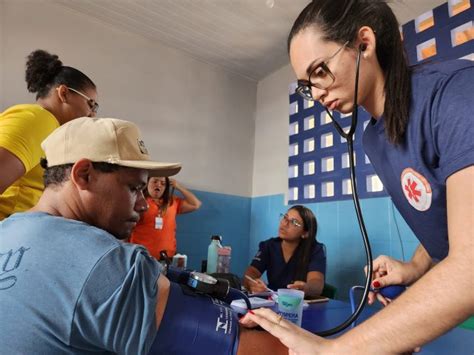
(62, 94)
(294, 259)
(420, 142)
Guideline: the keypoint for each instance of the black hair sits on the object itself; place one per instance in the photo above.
(57, 175)
(304, 249)
(340, 21)
(166, 198)
(45, 71)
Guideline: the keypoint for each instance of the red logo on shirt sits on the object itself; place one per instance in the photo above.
(411, 189)
(417, 189)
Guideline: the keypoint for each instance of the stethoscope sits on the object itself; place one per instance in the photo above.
(206, 284)
(391, 291)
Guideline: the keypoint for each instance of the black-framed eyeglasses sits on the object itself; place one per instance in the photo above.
(293, 221)
(93, 105)
(320, 77)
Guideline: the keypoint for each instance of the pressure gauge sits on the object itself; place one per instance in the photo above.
(202, 282)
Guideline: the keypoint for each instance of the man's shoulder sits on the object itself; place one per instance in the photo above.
(42, 217)
(69, 233)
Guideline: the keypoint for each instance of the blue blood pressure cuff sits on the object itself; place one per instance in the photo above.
(195, 324)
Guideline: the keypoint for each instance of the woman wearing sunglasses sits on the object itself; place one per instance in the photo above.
(419, 141)
(62, 94)
(292, 260)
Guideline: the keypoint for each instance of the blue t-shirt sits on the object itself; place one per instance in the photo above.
(69, 288)
(439, 141)
(270, 258)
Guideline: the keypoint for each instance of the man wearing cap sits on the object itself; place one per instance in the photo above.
(69, 285)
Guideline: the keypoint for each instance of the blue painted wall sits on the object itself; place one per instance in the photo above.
(226, 215)
(244, 222)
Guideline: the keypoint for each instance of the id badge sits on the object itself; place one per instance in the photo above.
(158, 223)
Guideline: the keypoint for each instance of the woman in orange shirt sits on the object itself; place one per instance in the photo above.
(156, 229)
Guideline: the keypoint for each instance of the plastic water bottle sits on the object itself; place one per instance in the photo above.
(212, 253)
(180, 261)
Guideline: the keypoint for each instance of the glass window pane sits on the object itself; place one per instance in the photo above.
(309, 168)
(327, 189)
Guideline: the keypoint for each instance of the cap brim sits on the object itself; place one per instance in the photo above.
(154, 168)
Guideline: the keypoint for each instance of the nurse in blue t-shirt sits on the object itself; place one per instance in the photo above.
(420, 143)
(294, 259)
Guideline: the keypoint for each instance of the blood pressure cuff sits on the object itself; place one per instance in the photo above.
(195, 324)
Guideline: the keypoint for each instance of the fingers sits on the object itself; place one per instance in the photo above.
(379, 264)
(382, 299)
(270, 321)
(386, 271)
(247, 322)
(393, 278)
(258, 286)
(288, 333)
(297, 285)
(296, 339)
(262, 285)
(372, 297)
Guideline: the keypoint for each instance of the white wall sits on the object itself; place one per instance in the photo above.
(270, 169)
(189, 111)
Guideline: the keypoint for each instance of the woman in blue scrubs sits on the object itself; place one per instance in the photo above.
(294, 259)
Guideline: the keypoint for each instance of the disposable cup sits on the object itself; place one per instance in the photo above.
(290, 304)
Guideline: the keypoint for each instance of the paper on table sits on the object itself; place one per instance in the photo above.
(255, 302)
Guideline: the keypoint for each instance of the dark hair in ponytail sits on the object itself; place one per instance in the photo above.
(340, 21)
(306, 245)
(45, 71)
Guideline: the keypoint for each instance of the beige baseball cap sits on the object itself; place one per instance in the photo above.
(108, 140)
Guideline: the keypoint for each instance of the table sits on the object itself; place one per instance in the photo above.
(323, 316)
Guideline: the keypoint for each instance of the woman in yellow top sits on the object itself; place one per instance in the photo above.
(62, 94)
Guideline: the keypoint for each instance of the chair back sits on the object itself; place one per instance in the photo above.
(329, 291)
(355, 294)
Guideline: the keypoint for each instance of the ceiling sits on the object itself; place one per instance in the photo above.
(246, 37)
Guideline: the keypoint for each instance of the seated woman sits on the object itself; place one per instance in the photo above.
(292, 260)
